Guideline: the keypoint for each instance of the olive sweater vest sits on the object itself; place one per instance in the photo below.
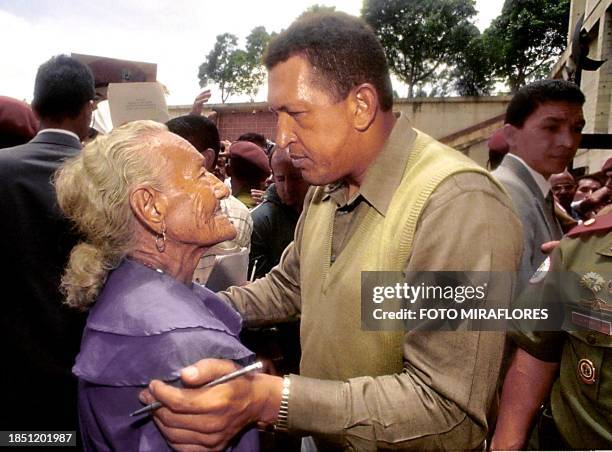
(334, 346)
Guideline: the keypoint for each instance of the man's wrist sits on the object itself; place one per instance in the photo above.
(270, 393)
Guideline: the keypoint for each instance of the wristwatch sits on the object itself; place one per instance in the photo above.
(282, 422)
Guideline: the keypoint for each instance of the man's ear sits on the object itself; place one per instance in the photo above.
(509, 133)
(365, 105)
(149, 206)
(209, 159)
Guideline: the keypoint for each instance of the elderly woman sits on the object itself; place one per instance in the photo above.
(147, 209)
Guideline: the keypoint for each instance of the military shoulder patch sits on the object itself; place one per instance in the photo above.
(599, 223)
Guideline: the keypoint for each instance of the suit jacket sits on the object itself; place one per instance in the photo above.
(537, 216)
(39, 337)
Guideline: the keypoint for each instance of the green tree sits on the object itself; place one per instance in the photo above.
(221, 65)
(256, 44)
(526, 38)
(471, 75)
(317, 8)
(235, 70)
(421, 38)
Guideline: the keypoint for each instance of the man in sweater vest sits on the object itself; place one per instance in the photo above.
(388, 197)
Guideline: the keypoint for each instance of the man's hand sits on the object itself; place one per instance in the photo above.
(548, 247)
(198, 103)
(211, 417)
(257, 195)
(596, 201)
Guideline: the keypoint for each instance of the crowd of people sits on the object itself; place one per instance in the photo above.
(142, 263)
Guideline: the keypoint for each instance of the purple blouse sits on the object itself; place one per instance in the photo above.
(146, 325)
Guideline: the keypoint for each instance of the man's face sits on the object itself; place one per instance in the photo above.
(585, 188)
(290, 185)
(549, 138)
(193, 213)
(316, 129)
(609, 179)
(563, 187)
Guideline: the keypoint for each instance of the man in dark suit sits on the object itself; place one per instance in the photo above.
(543, 128)
(39, 336)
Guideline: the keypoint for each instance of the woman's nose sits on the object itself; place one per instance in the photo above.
(219, 188)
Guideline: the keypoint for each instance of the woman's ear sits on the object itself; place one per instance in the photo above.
(365, 104)
(149, 206)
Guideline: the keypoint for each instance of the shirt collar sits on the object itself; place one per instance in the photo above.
(540, 180)
(64, 131)
(385, 174)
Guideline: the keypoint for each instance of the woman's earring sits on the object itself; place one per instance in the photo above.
(160, 239)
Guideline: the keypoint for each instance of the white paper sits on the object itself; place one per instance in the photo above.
(133, 101)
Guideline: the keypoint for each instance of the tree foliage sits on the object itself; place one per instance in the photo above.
(526, 38)
(423, 38)
(317, 8)
(471, 75)
(235, 70)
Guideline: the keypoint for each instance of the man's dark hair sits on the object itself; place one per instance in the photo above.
(200, 131)
(271, 153)
(595, 177)
(256, 138)
(342, 50)
(247, 172)
(63, 86)
(528, 98)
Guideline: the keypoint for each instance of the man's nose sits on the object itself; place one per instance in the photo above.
(566, 138)
(284, 131)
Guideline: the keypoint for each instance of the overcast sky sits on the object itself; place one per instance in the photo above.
(175, 34)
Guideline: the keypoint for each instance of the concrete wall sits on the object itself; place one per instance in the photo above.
(440, 117)
(457, 118)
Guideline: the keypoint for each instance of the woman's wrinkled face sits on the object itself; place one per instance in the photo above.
(193, 215)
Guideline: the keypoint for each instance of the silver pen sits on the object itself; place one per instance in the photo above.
(237, 373)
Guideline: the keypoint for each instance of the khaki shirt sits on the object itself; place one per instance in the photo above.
(577, 290)
(442, 398)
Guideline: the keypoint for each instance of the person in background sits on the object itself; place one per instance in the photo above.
(39, 336)
(498, 148)
(570, 361)
(543, 129)
(590, 196)
(248, 168)
(586, 185)
(274, 223)
(147, 209)
(18, 124)
(256, 138)
(563, 188)
(275, 219)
